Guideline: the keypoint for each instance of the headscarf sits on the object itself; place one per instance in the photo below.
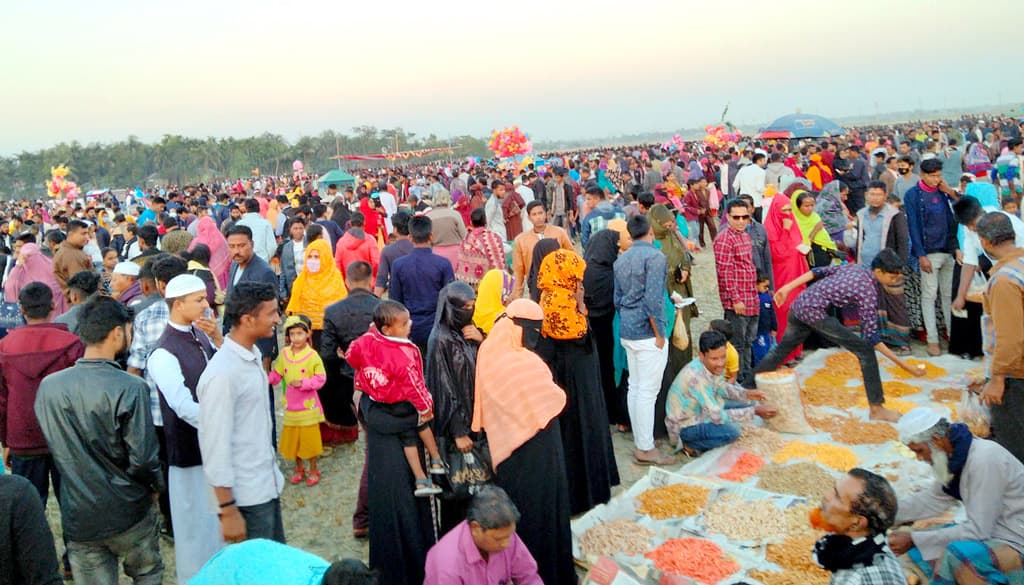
(561, 273)
(829, 205)
(450, 366)
(494, 288)
(791, 165)
(779, 238)
(807, 224)
(34, 267)
(220, 259)
(542, 249)
(515, 393)
(672, 247)
(599, 276)
(311, 293)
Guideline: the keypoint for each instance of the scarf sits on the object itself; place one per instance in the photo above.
(495, 287)
(807, 224)
(540, 251)
(961, 438)
(312, 292)
(921, 185)
(829, 205)
(220, 259)
(561, 273)
(836, 552)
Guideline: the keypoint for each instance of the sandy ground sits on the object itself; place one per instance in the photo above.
(319, 519)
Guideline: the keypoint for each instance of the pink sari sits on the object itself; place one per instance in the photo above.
(220, 259)
(788, 263)
(34, 267)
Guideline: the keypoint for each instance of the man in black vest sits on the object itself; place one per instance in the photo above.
(175, 365)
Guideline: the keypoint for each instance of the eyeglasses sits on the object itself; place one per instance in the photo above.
(740, 217)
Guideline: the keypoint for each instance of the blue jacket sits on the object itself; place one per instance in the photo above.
(913, 202)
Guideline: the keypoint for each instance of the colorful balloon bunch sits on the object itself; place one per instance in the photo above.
(59, 185)
(718, 137)
(510, 142)
(675, 143)
(297, 166)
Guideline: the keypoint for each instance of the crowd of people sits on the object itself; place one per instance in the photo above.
(495, 318)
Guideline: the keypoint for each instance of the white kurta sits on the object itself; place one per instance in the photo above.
(196, 527)
(992, 487)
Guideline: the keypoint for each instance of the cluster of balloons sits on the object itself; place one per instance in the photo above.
(297, 166)
(675, 143)
(59, 185)
(509, 142)
(718, 137)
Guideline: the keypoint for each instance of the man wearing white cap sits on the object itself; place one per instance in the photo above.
(124, 284)
(987, 480)
(175, 365)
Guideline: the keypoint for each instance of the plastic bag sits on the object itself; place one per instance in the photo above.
(467, 472)
(782, 390)
(680, 335)
(975, 415)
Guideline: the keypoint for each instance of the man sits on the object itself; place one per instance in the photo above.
(933, 241)
(776, 170)
(494, 210)
(880, 226)
(401, 246)
(762, 251)
(639, 298)
(850, 286)
(262, 232)
(483, 548)
(234, 214)
(235, 421)
(1003, 334)
(150, 292)
(703, 409)
(889, 175)
(737, 283)
(247, 266)
(292, 256)
(904, 150)
(522, 247)
(174, 239)
(388, 205)
(124, 283)
(334, 233)
(560, 199)
(344, 321)
(418, 278)
(82, 287)
(156, 207)
(70, 257)
(175, 365)
(905, 178)
(26, 551)
(356, 245)
(148, 238)
(968, 210)
(27, 355)
(602, 211)
(857, 512)
(265, 562)
(952, 162)
(107, 513)
(987, 480)
(750, 180)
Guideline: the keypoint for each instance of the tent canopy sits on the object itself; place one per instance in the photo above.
(801, 126)
(336, 177)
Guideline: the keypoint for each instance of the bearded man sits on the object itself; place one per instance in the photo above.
(982, 475)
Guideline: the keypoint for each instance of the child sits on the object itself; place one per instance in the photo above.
(732, 357)
(303, 373)
(1011, 206)
(389, 369)
(767, 325)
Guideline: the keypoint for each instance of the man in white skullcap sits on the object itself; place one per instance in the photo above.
(177, 362)
(124, 283)
(987, 479)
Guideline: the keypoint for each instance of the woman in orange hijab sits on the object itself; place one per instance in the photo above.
(319, 284)
(517, 404)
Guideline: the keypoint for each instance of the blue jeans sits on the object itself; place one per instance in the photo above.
(706, 436)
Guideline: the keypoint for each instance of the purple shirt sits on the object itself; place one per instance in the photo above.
(455, 560)
(840, 287)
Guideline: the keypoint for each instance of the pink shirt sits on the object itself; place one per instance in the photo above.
(455, 560)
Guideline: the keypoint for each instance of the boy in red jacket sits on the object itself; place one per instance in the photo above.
(389, 369)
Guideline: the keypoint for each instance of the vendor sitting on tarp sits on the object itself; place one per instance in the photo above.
(703, 410)
(987, 480)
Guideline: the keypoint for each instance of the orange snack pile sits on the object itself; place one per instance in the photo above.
(673, 501)
(747, 465)
(834, 456)
(900, 406)
(843, 363)
(854, 432)
(794, 555)
(897, 389)
(823, 389)
(695, 558)
(946, 394)
(932, 372)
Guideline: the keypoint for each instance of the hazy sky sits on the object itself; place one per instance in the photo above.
(101, 70)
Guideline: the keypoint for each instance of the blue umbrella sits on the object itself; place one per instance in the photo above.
(801, 126)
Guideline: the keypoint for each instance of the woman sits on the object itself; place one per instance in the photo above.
(517, 404)
(598, 295)
(812, 228)
(110, 260)
(318, 285)
(669, 240)
(220, 258)
(568, 348)
(834, 215)
(448, 229)
(492, 295)
(788, 261)
(540, 251)
(450, 372)
(32, 266)
(482, 250)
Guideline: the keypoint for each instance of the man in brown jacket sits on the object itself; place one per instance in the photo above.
(70, 258)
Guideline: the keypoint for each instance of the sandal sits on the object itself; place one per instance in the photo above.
(298, 476)
(313, 479)
(437, 467)
(426, 488)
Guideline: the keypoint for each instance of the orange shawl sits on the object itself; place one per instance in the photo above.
(515, 394)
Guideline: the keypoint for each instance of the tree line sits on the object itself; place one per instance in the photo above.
(182, 160)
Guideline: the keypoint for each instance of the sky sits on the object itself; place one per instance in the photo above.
(561, 69)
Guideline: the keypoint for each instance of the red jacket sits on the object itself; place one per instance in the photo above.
(356, 245)
(389, 370)
(27, 355)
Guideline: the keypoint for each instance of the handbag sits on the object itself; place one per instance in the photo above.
(10, 316)
(467, 472)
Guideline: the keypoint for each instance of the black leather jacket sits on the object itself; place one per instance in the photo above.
(99, 428)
